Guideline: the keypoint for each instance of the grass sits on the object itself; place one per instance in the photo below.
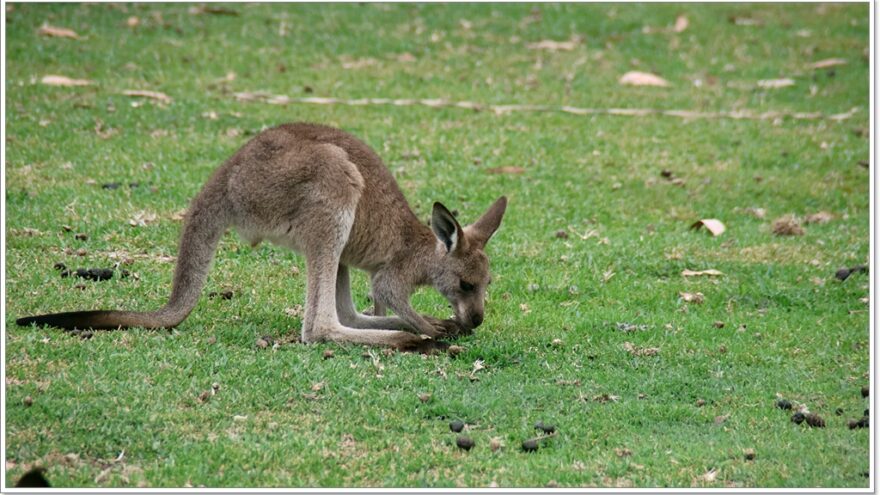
(789, 327)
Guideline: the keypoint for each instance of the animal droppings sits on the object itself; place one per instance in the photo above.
(530, 445)
(456, 426)
(783, 404)
(815, 420)
(464, 442)
(797, 418)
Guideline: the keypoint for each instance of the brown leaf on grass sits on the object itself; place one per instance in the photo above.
(696, 298)
(713, 225)
(637, 78)
(710, 273)
(756, 212)
(318, 386)
(681, 23)
(820, 217)
(102, 130)
(142, 219)
(26, 232)
(787, 225)
(623, 452)
(719, 420)
(211, 9)
(54, 80)
(828, 62)
(154, 95)
(348, 63)
(775, 83)
(506, 170)
(406, 57)
(640, 351)
(603, 398)
(57, 32)
(555, 46)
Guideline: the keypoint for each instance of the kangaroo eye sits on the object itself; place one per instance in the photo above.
(466, 286)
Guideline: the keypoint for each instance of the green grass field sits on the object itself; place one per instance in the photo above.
(568, 319)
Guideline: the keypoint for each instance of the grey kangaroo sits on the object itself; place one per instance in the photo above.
(327, 195)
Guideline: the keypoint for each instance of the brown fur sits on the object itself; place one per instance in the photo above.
(327, 195)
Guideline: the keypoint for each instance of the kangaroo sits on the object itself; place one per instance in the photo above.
(325, 194)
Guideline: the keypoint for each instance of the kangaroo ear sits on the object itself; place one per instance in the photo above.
(446, 227)
(481, 230)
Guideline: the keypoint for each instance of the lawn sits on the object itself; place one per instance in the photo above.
(587, 324)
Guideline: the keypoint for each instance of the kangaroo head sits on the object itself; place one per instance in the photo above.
(462, 273)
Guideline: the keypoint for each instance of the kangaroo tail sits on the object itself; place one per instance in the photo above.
(208, 217)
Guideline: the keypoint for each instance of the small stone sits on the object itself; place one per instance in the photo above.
(749, 454)
(530, 445)
(864, 422)
(815, 420)
(456, 426)
(783, 404)
(328, 353)
(464, 442)
(701, 402)
(28, 401)
(561, 234)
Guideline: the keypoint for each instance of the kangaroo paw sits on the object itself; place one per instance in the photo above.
(423, 346)
(448, 328)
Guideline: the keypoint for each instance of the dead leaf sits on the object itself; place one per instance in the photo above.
(142, 218)
(478, 365)
(713, 225)
(681, 23)
(606, 276)
(318, 386)
(623, 452)
(53, 80)
(640, 351)
(554, 46)
(506, 170)
(775, 83)
(57, 32)
(787, 225)
(756, 212)
(295, 311)
(358, 63)
(211, 9)
(103, 131)
(155, 95)
(637, 78)
(696, 298)
(525, 308)
(721, 419)
(603, 398)
(709, 476)
(710, 272)
(820, 217)
(828, 62)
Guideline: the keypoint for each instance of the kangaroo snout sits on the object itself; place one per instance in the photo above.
(476, 319)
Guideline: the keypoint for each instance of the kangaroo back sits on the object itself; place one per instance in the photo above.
(207, 219)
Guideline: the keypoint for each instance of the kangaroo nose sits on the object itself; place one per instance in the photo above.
(477, 319)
